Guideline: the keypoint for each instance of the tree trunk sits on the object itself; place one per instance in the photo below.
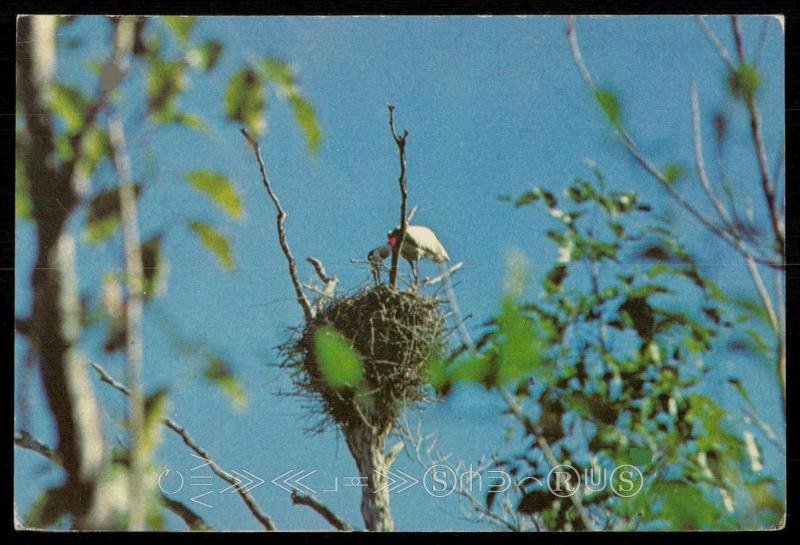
(56, 316)
(367, 445)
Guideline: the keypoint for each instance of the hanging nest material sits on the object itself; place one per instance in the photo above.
(394, 332)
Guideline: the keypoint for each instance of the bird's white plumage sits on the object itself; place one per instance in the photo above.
(421, 243)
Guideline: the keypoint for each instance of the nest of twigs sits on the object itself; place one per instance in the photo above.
(394, 332)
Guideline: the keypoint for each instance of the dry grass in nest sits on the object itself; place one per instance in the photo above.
(394, 332)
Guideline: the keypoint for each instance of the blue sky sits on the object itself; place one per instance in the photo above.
(494, 106)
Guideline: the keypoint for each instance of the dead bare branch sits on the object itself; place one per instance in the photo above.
(721, 50)
(401, 146)
(654, 171)
(700, 162)
(758, 143)
(250, 502)
(302, 300)
(322, 509)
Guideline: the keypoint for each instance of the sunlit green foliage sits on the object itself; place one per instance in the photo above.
(218, 372)
(609, 102)
(338, 363)
(745, 81)
(216, 242)
(104, 215)
(622, 326)
(166, 58)
(220, 189)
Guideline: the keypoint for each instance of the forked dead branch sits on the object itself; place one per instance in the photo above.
(392, 332)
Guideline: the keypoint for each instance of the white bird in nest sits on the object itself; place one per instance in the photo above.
(419, 243)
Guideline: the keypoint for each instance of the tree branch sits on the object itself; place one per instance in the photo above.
(401, 146)
(651, 169)
(758, 143)
(438, 278)
(302, 300)
(56, 314)
(133, 318)
(114, 71)
(249, 501)
(329, 282)
(721, 51)
(321, 509)
(700, 163)
(194, 521)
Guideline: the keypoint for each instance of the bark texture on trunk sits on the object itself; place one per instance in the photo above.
(55, 322)
(367, 445)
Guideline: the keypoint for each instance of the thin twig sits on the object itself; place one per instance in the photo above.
(321, 509)
(758, 143)
(330, 282)
(700, 162)
(194, 521)
(761, 41)
(281, 218)
(434, 457)
(401, 146)
(723, 53)
(438, 278)
(411, 214)
(249, 501)
(630, 145)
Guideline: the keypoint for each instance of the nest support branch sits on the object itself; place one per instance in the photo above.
(395, 333)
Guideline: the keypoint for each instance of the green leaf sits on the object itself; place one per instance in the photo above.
(165, 81)
(436, 373)
(214, 241)
(306, 118)
(472, 370)
(640, 314)
(673, 172)
(104, 216)
(219, 373)
(610, 104)
(279, 73)
(520, 345)
(338, 363)
(534, 195)
(555, 278)
(181, 26)
(22, 198)
(244, 100)
(96, 147)
(155, 406)
(684, 506)
(640, 456)
(745, 81)
(208, 54)
(154, 267)
(182, 118)
(71, 105)
(220, 189)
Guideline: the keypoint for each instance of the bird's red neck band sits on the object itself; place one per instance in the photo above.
(392, 241)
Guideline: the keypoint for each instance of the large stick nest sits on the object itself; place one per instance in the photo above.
(394, 332)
